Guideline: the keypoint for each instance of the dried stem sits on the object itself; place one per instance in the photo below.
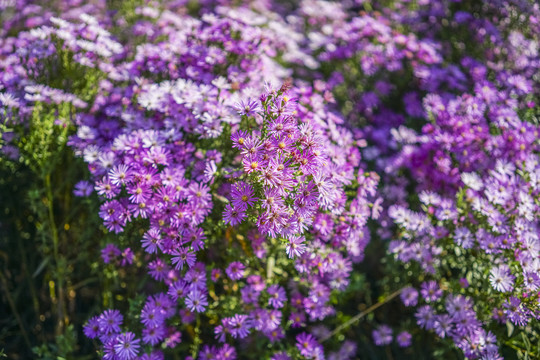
(359, 316)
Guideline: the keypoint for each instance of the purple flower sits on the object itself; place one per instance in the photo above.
(91, 329)
(307, 345)
(182, 256)
(152, 316)
(501, 278)
(425, 317)
(242, 196)
(248, 107)
(515, 311)
(382, 335)
(196, 301)
(404, 339)
(430, 291)
(277, 296)
(239, 138)
(119, 175)
(233, 215)
(295, 247)
(126, 347)
(153, 335)
(239, 326)
(235, 270)
(83, 188)
(409, 296)
(151, 240)
(110, 253)
(443, 325)
(110, 321)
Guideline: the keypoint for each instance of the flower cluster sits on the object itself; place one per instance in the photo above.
(441, 112)
(161, 152)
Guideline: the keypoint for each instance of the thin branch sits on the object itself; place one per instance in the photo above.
(14, 310)
(359, 316)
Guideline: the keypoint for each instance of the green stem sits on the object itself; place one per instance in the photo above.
(62, 313)
(359, 316)
(35, 301)
(14, 310)
(197, 340)
(508, 343)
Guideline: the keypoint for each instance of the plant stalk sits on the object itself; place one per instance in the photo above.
(62, 313)
(359, 316)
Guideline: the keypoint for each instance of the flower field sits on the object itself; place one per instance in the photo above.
(269, 179)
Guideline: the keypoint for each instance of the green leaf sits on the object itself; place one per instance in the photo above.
(41, 267)
(510, 328)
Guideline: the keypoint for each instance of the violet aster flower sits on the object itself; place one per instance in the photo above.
(158, 269)
(110, 321)
(91, 329)
(430, 291)
(239, 325)
(151, 240)
(425, 317)
(307, 345)
(233, 215)
(443, 325)
(295, 247)
(183, 256)
(382, 335)
(119, 174)
(127, 346)
(239, 138)
(404, 339)
(248, 107)
(196, 301)
(277, 296)
(83, 189)
(516, 312)
(152, 316)
(153, 335)
(242, 196)
(501, 278)
(235, 270)
(110, 253)
(409, 296)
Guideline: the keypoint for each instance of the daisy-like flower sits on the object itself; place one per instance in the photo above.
(91, 329)
(430, 291)
(382, 335)
(196, 301)
(277, 296)
(516, 312)
(8, 100)
(307, 345)
(83, 188)
(248, 107)
(239, 138)
(126, 347)
(235, 270)
(233, 215)
(119, 174)
(153, 335)
(501, 278)
(183, 256)
(404, 339)
(240, 326)
(151, 240)
(242, 196)
(110, 321)
(295, 247)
